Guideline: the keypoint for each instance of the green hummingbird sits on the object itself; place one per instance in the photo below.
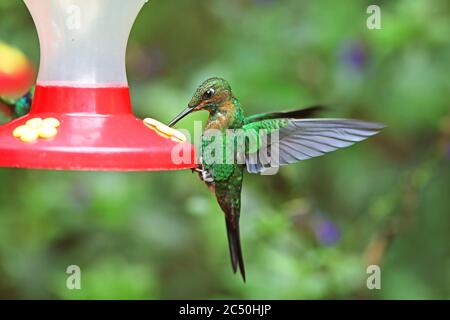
(21, 106)
(294, 136)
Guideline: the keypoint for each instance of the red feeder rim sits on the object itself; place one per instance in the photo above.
(82, 90)
(97, 131)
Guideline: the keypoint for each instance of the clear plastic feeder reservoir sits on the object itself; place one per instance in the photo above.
(81, 117)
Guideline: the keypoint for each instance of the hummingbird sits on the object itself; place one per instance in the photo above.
(299, 137)
(20, 107)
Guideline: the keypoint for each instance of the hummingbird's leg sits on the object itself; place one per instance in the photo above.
(199, 167)
(198, 170)
(206, 176)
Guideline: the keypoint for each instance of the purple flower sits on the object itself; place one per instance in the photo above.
(327, 232)
(355, 55)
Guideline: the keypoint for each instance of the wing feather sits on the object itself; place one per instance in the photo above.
(301, 139)
(294, 114)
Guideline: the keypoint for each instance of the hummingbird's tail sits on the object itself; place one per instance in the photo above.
(234, 242)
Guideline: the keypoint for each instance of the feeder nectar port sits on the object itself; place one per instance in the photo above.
(82, 84)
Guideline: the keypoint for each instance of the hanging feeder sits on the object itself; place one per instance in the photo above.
(81, 117)
(16, 72)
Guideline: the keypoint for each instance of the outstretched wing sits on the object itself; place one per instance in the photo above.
(301, 139)
(295, 114)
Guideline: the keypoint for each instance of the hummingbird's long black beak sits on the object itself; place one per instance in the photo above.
(181, 116)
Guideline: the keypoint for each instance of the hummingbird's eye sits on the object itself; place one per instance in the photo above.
(209, 93)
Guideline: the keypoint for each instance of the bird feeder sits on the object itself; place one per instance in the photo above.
(81, 117)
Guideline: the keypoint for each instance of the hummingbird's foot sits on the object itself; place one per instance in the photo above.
(206, 176)
(198, 169)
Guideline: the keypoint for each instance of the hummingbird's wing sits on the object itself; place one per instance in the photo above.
(295, 114)
(286, 141)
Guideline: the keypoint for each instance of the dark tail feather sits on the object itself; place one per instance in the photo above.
(234, 242)
(295, 114)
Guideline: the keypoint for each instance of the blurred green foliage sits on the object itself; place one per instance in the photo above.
(309, 232)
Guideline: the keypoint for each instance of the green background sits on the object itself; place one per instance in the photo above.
(309, 232)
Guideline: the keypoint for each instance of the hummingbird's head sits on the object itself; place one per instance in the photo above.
(210, 95)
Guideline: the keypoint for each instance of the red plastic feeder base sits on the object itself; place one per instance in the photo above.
(97, 131)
